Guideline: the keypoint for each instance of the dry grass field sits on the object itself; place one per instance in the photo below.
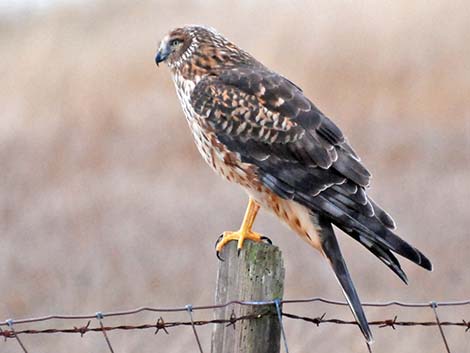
(106, 205)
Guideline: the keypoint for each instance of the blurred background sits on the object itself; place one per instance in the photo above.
(106, 205)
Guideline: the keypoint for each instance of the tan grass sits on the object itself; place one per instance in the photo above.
(106, 205)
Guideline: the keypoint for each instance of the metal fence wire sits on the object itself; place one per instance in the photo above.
(11, 328)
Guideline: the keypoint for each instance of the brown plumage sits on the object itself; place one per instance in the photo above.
(257, 128)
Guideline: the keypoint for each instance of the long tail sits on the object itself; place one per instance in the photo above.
(332, 251)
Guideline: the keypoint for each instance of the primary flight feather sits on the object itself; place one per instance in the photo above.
(256, 128)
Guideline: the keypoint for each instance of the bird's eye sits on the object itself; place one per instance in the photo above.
(174, 43)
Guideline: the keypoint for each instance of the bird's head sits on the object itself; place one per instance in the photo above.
(175, 45)
(199, 47)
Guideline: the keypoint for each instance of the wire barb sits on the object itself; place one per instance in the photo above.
(467, 324)
(233, 320)
(189, 308)
(319, 320)
(160, 325)
(84, 329)
(390, 323)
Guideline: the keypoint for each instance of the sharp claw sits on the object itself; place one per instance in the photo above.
(217, 253)
(269, 241)
(218, 240)
(238, 251)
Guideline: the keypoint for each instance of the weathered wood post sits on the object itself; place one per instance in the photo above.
(257, 274)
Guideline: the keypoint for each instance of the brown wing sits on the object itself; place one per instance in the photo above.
(299, 154)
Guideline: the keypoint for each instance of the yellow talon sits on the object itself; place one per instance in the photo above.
(245, 231)
(240, 236)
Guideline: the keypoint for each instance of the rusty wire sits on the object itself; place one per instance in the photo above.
(160, 325)
(165, 325)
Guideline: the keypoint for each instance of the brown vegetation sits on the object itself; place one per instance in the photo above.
(106, 205)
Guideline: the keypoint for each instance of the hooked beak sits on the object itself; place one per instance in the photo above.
(162, 53)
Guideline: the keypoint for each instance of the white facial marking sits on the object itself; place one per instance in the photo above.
(186, 55)
(163, 42)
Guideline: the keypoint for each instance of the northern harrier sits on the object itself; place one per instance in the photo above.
(258, 129)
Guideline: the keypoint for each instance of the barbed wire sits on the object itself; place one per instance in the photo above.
(7, 329)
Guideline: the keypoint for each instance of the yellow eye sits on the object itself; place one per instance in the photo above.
(174, 43)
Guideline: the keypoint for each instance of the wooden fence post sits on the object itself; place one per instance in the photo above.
(257, 274)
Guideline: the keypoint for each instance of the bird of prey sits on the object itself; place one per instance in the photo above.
(256, 128)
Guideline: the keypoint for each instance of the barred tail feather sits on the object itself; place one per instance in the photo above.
(355, 223)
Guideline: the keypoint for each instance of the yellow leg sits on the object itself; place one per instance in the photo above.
(245, 231)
